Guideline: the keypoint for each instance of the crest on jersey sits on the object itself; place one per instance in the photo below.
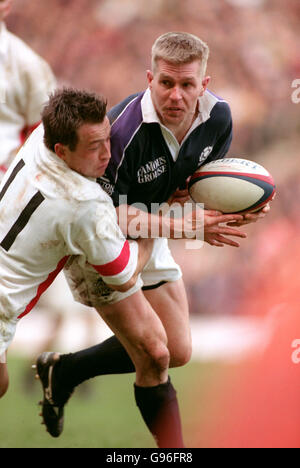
(204, 155)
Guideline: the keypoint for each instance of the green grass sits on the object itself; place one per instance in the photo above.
(101, 414)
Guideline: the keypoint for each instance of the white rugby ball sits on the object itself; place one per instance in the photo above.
(232, 185)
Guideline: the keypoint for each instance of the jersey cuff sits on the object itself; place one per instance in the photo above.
(123, 267)
(118, 265)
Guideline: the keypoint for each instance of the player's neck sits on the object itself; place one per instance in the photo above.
(180, 131)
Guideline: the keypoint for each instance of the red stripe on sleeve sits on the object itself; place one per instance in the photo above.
(118, 265)
(43, 286)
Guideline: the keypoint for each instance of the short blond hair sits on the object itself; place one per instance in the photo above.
(179, 48)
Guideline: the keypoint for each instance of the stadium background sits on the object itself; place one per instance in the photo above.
(241, 388)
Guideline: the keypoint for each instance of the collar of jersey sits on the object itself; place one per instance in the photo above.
(56, 178)
(150, 116)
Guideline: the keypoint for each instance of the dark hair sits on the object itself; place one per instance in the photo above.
(66, 110)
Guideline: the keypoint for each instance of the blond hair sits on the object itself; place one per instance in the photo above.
(179, 48)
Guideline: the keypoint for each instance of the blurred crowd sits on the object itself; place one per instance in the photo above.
(104, 45)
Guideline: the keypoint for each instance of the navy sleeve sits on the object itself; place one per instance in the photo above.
(224, 122)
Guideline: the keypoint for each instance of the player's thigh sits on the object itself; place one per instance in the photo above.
(171, 305)
(138, 327)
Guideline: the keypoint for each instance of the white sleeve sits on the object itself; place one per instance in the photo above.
(105, 246)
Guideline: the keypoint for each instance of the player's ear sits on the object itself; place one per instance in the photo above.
(205, 83)
(60, 151)
(149, 77)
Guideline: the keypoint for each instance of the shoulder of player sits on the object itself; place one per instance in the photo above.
(124, 108)
(126, 121)
(220, 112)
(23, 53)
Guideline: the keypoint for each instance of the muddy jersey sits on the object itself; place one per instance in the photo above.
(47, 214)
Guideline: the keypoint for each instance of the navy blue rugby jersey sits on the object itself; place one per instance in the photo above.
(142, 166)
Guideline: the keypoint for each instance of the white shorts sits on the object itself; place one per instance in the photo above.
(89, 289)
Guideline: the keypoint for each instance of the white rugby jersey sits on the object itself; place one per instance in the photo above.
(26, 80)
(47, 213)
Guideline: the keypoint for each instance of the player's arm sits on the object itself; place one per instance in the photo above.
(145, 247)
(117, 260)
(198, 223)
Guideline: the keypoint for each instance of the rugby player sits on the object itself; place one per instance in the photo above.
(51, 208)
(158, 139)
(53, 215)
(26, 81)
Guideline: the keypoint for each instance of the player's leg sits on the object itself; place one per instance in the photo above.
(171, 305)
(4, 380)
(169, 302)
(142, 334)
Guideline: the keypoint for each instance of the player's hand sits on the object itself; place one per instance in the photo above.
(210, 226)
(252, 217)
(216, 229)
(181, 195)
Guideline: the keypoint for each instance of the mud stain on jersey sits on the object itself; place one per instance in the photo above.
(50, 244)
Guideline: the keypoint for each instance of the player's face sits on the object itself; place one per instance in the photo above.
(175, 90)
(5, 6)
(92, 153)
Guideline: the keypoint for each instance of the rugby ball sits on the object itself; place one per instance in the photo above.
(232, 185)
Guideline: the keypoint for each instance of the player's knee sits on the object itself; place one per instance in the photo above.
(181, 355)
(156, 357)
(161, 357)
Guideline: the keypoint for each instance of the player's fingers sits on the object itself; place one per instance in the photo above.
(212, 213)
(253, 217)
(181, 193)
(215, 243)
(267, 207)
(227, 241)
(220, 241)
(219, 219)
(239, 223)
(181, 200)
(228, 231)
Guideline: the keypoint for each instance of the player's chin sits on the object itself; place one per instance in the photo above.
(99, 172)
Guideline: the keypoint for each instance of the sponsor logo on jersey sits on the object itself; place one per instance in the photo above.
(107, 186)
(152, 170)
(204, 155)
